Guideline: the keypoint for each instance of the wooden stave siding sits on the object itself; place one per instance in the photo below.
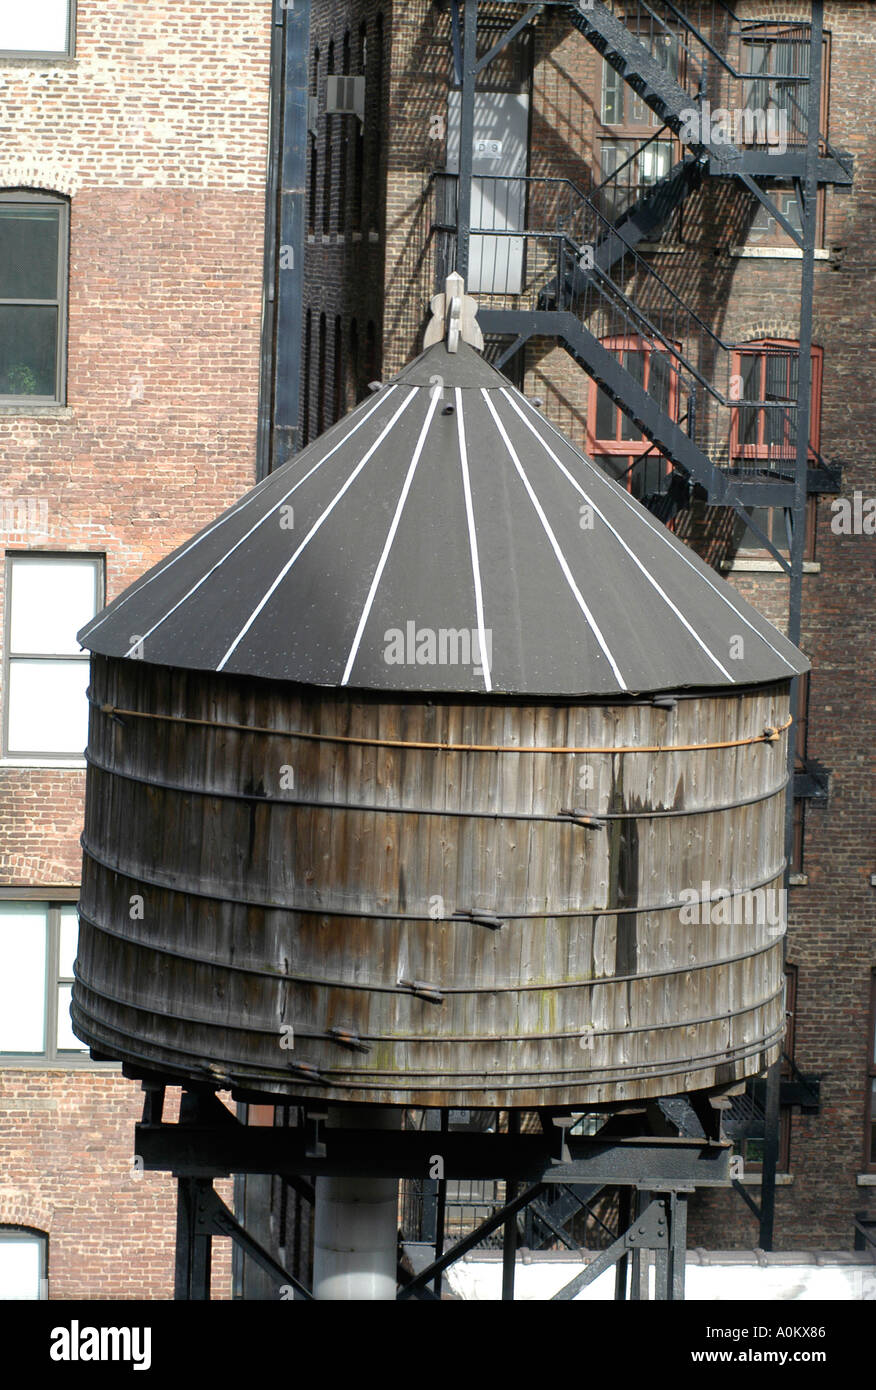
(234, 1038)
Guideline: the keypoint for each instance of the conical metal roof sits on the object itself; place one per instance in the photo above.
(444, 537)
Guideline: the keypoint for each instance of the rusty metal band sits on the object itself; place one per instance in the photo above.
(771, 734)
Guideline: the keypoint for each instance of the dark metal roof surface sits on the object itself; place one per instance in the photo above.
(443, 519)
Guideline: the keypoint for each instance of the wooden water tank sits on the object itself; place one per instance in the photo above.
(330, 852)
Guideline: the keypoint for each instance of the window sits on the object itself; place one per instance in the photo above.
(23, 1264)
(613, 440)
(344, 161)
(49, 598)
(870, 1140)
(33, 279)
(632, 126)
(778, 60)
(620, 104)
(37, 951)
(763, 437)
(633, 178)
(776, 102)
(39, 29)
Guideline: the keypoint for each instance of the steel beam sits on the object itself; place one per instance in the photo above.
(212, 1151)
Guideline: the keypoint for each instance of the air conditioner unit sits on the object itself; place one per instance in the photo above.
(345, 96)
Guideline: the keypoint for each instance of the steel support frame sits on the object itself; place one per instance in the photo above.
(208, 1143)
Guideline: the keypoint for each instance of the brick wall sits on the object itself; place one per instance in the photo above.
(157, 132)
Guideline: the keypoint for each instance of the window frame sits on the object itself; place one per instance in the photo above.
(12, 1233)
(598, 446)
(13, 557)
(27, 196)
(47, 55)
(869, 1099)
(633, 130)
(52, 1057)
(750, 455)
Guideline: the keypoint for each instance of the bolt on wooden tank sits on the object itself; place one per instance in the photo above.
(436, 772)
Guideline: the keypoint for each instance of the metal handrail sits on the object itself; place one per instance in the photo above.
(614, 296)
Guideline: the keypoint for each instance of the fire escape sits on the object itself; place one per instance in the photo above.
(547, 259)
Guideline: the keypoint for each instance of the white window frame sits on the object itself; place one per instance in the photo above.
(12, 1234)
(29, 757)
(52, 899)
(47, 54)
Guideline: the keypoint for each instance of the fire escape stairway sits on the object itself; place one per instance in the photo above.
(642, 221)
(658, 89)
(622, 387)
(649, 79)
(649, 213)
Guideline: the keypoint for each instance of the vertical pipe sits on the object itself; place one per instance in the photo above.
(795, 595)
(266, 370)
(466, 137)
(290, 271)
(355, 1229)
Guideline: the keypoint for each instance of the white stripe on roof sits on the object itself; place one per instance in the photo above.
(472, 541)
(555, 545)
(635, 559)
(390, 536)
(655, 528)
(252, 496)
(316, 526)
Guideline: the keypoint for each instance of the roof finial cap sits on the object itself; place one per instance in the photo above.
(453, 317)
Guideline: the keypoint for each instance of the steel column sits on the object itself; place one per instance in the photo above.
(509, 1233)
(466, 136)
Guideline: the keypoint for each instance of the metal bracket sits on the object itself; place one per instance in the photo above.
(812, 782)
(650, 1231)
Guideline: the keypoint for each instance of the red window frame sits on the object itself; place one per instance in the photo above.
(630, 448)
(763, 453)
(761, 449)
